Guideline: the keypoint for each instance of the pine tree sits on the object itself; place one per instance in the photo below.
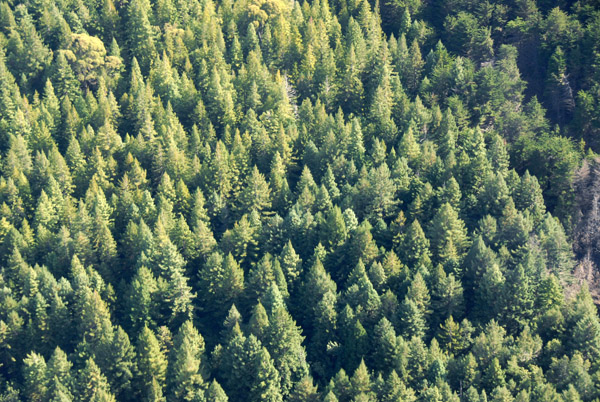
(317, 282)
(517, 299)
(361, 383)
(121, 368)
(447, 295)
(351, 92)
(281, 190)
(415, 247)
(334, 231)
(550, 293)
(478, 258)
(330, 397)
(261, 277)
(169, 264)
(381, 191)
(340, 384)
(155, 394)
(92, 384)
(395, 389)
(142, 298)
(266, 383)
(413, 66)
(494, 376)
(412, 319)
(353, 337)
(291, 264)
(256, 194)
(586, 330)
(151, 363)
(28, 56)
(259, 321)
(57, 392)
(324, 335)
(448, 235)
(59, 367)
(494, 195)
(63, 78)
(187, 364)
(305, 390)
(35, 376)
(488, 291)
(558, 88)
(452, 335)
(247, 358)
(284, 341)
(140, 35)
(361, 245)
(419, 294)
(221, 281)
(361, 296)
(215, 393)
(386, 350)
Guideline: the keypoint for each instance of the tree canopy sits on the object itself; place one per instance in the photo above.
(320, 200)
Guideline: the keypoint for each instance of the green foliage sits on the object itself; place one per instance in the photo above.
(374, 185)
(151, 363)
(187, 364)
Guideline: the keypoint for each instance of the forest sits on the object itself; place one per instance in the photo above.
(303, 201)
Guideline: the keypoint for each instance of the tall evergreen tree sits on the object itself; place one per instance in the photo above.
(140, 34)
(188, 364)
(151, 363)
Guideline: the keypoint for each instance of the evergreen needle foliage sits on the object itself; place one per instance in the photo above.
(315, 200)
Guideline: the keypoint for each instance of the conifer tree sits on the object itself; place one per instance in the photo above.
(259, 321)
(353, 337)
(92, 384)
(586, 330)
(266, 380)
(35, 377)
(363, 180)
(291, 264)
(415, 247)
(59, 367)
(284, 340)
(187, 364)
(221, 281)
(28, 56)
(57, 392)
(169, 264)
(151, 363)
(448, 234)
(335, 231)
(256, 194)
(215, 393)
(412, 319)
(386, 350)
(351, 92)
(120, 370)
(140, 34)
(447, 295)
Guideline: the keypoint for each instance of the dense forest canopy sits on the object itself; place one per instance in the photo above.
(274, 200)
